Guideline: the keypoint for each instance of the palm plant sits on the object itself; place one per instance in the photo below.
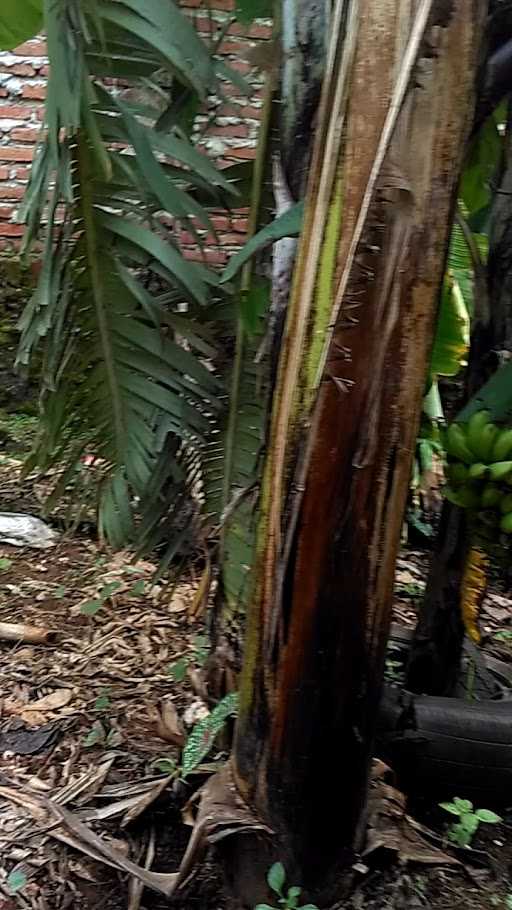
(128, 372)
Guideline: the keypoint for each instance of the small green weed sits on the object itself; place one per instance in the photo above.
(276, 879)
(463, 831)
(165, 765)
(204, 733)
(178, 669)
(91, 607)
(16, 880)
(17, 432)
(102, 702)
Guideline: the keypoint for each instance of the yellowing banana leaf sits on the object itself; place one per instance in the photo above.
(451, 342)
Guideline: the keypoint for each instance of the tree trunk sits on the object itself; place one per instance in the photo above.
(333, 501)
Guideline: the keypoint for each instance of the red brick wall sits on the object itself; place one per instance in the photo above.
(231, 137)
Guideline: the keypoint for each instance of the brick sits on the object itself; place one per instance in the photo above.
(229, 239)
(21, 173)
(212, 257)
(4, 173)
(228, 110)
(251, 112)
(220, 222)
(241, 225)
(15, 111)
(11, 230)
(244, 153)
(36, 92)
(4, 93)
(238, 48)
(254, 30)
(11, 192)
(6, 212)
(187, 239)
(25, 134)
(233, 131)
(20, 69)
(35, 48)
(13, 153)
(241, 66)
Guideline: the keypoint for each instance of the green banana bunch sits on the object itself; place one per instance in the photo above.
(506, 503)
(502, 448)
(506, 523)
(456, 444)
(457, 472)
(479, 441)
(480, 464)
(481, 435)
(466, 497)
(477, 471)
(491, 496)
(500, 470)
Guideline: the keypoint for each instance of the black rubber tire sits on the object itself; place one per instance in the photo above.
(445, 747)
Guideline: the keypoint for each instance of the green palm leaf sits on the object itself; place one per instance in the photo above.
(124, 375)
(19, 21)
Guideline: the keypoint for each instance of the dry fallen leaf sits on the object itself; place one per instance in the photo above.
(168, 725)
(52, 702)
(178, 604)
(390, 828)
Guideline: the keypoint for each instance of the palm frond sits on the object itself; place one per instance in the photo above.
(231, 468)
(120, 363)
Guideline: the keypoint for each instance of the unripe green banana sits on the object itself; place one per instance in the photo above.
(456, 445)
(502, 448)
(491, 495)
(457, 472)
(506, 523)
(465, 497)
(506, 504)
(500, 469)
(484, 444)
(477, 471)
(474, 428)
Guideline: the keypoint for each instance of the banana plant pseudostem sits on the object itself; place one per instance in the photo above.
(346, 408)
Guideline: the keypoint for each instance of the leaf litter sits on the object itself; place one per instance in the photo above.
(93, 722)
(87, 721)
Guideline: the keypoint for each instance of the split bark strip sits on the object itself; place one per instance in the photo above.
(309, 702)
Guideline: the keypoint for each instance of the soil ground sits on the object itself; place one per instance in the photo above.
(92, 721)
